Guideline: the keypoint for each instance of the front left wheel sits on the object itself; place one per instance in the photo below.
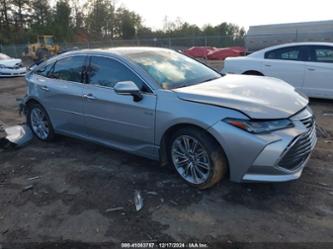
(39, 122)
(197, 157)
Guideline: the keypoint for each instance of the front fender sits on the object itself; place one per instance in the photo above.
(171, 111)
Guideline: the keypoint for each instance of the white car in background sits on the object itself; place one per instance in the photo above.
(307, 66)
(10, 67)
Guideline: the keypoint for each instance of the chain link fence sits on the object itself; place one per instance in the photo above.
(177, 43)
(250, 42)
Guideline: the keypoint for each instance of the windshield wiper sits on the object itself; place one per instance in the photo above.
(210, 79)
(191, 84)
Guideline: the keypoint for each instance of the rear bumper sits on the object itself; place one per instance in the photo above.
(260, 158)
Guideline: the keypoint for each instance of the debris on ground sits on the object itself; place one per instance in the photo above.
(323, 184)
(138, 200)
(149, 236)
(174, 203)
(328, 114)
(19, 134)
(114, 209)
(26, 188)
(33, 178)
(152, 193)
(14, 136)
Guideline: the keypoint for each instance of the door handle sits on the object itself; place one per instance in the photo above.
(44, 88)
(89, 96)
(311, 69)
(268, 65)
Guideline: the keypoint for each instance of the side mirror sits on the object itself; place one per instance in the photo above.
(128, 88)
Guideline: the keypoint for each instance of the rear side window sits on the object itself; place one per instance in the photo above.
(107, 72)
(69, 69)
(322, 54)
(290, 53)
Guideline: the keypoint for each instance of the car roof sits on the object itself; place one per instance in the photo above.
(117, 50)
(260, 52)
(120, 53)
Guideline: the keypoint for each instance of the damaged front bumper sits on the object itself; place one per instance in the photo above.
(273, 157)
(15, 136)
(13, 72)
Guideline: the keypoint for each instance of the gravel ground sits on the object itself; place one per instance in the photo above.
(66, 206)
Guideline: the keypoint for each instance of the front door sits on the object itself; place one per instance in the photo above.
(115, 119)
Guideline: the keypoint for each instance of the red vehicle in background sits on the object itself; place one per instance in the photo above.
(212, 53)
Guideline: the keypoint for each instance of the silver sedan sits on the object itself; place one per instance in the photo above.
(162, 105)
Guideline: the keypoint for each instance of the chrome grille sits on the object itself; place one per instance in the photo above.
(308, 122)
(299, 150)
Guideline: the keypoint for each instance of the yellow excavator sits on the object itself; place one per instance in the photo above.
(43, 49)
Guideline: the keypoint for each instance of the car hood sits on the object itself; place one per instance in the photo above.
(257, 97)
(10, 62)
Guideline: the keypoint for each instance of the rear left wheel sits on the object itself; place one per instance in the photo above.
(39, 122)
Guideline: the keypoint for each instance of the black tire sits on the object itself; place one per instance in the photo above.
(254, 73)
(217, 158)
(51, 133)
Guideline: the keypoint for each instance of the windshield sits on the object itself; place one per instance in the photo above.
(171, 69)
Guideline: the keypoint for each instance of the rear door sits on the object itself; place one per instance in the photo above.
(319, 72)
(286, 64)
(61, 90)
(115, 119)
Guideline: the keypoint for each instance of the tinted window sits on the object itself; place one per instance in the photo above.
(291, 53)
(44, 70)
(322, 54)
(69, 69)
(107, 72)
(171, 69)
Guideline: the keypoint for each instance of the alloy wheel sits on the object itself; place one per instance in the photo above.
(39, 123)
(191, 159)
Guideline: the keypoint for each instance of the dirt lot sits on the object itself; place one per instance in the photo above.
(79, 181)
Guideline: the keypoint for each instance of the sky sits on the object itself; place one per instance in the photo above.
(244, 13)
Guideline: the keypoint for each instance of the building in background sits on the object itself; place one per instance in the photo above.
(263, 36)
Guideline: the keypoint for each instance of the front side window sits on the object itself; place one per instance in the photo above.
(107, 72)
(44, 70)
(290, 53)
(69, 69)
(171, 69)
(322, 54)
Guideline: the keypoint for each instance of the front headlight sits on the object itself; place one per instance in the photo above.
(259, 126)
